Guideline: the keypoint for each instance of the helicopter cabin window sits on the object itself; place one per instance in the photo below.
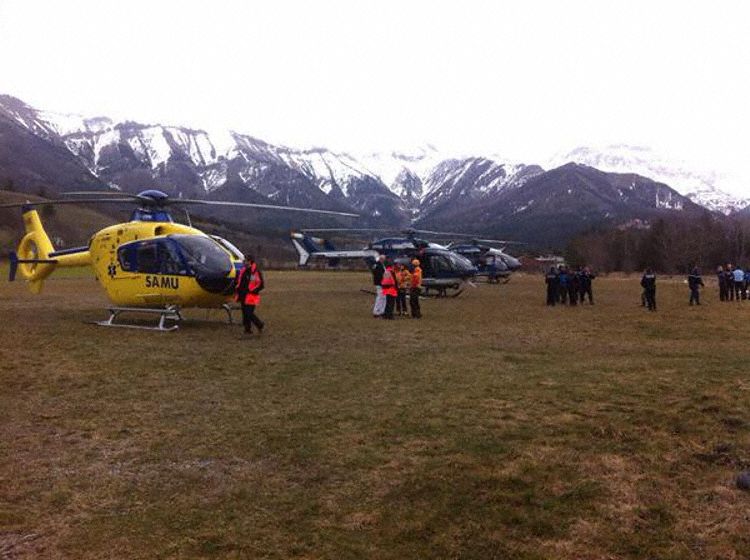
(151, 256)
(440, 263)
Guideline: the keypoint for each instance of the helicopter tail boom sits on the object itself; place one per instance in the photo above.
(308, 246)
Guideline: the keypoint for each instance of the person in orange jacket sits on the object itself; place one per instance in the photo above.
(390, 291)
(415, 290)
(403, 278)
(247, 292)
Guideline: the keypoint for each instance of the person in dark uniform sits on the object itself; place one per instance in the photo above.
(586, 289)
(563, 277)
(723, 295)
(729, 279)
(574, 286)
(247, 292)
(648, 283)
(695, 282)
(552, 282)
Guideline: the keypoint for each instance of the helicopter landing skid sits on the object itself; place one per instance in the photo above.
(229, 308)
(171, 313)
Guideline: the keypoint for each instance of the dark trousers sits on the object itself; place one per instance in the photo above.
(695, 296)
(572, 295)
(584, 291)
(650, 294)
(563, 295)
(723, 295)
(249, 318)
(730, 290)
(551, 295)
(390, 303)
(416, 312)
(738, 290)
(401, 302)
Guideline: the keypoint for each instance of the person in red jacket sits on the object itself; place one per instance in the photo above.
(390, 290)
(247, 292)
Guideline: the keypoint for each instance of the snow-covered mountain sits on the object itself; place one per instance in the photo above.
(394, 189)
(708, 188)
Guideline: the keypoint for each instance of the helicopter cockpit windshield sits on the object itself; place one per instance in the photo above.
(203, 255)
(447, 262)
(235, 252)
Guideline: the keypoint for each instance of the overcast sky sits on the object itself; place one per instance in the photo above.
(524, 78)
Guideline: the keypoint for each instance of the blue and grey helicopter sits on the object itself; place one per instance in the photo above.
(492, 263)
(443, 269)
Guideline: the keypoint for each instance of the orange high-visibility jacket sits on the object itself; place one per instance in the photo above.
(404, 279)
(389, 283)
(416, 277)
(253, 284)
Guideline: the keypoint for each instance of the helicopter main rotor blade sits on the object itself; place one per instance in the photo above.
(467, 236)
(133, 197)
(100, 193)
(442, 233)
(262, 206)
(500, 241)
(68, 201)
(346, 230)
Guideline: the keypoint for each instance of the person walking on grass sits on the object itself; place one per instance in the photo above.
(378, 269)
(648, 283)
(695, 283)
(247, 293)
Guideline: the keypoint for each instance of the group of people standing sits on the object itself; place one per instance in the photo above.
(566, 286)
(393, 281)
(733, 282)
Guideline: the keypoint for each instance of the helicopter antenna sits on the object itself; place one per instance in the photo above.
(187, 215)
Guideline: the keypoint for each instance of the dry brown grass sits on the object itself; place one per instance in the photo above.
(493, 428)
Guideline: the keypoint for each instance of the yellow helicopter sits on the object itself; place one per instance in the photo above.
(149, 264)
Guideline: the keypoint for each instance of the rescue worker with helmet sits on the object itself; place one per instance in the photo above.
(390, 290)
(415, 290)
(247, 292)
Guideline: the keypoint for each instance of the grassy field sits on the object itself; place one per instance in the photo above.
(493, 428)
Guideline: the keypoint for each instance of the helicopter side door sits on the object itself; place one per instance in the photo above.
(158, 259)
